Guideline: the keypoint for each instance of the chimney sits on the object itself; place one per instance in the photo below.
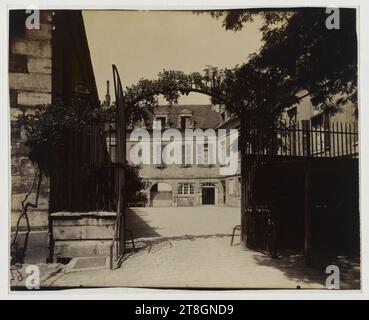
(107, 96)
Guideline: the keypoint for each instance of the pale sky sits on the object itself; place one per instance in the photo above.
(144, 43)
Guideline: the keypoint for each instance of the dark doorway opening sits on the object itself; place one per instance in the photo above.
(208, 195)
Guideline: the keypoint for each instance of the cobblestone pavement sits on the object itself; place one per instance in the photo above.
(197, 261)
(190, 248)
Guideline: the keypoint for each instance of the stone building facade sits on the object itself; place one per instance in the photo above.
(196, 185)
(184, 184)
(30, 84)
(304, 112)
(45, 64)
(231, 184)
(325, 128)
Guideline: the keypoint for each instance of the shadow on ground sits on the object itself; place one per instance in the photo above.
(139, 227)
(154, 244)
(292, 264)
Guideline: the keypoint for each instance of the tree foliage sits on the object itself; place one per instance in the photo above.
(298, 53)
(248, 91)
(297, 44)
(44, 130)
(134, 185)
(171, 85)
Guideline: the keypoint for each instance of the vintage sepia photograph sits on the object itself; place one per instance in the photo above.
(184, 149)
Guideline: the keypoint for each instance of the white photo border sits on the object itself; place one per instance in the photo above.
(130, 293)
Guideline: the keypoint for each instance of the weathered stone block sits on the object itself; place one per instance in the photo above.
(15, 132)
(83, 226)
(23, 133)
(67, 215)
(27, 98)
(87, 248)
(162, 203)
(44, 33)
(38, 65)
(83, 232)
(16, 200)
(13, 98)
(38, 219)
(14, 113)
(35, 48)
(103, 248)
(46, 16)
(98, 232)
(21, 184)
(85, 221)
(67, 232)
(18, 63)
(19, 149)
(27, 167)
(37, 246)
(37, 82)
(71, 249)
(14, 168)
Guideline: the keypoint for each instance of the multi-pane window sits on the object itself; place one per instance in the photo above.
(185, 122)
(223, 153)
(320, 134)
(291, 136)
(186, 157)
(162, 159)
(206, 154)
(186, 188)
(162, 121)
(112, 144)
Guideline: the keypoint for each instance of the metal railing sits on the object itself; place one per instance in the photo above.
(303, 139)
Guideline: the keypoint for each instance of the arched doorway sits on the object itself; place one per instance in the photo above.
(161, 195)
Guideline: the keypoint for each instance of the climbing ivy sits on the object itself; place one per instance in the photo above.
(46, 126)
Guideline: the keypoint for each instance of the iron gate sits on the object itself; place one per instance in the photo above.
(274, 173)
(120, 158)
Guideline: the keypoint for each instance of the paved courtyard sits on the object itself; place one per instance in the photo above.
(190, 248)
(193, 262)
(172, 222)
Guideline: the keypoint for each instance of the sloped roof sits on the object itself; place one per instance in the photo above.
(203, 116)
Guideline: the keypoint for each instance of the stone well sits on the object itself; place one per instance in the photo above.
(82, 234)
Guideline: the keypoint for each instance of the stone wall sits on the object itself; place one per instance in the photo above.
(82, 234)
(195, 174)
(233, 191)
(30, 84)
(189, 200)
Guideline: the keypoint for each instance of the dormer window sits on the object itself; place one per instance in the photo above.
(161, 117)
(162, 121)
(185, 119)
(185, 122)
